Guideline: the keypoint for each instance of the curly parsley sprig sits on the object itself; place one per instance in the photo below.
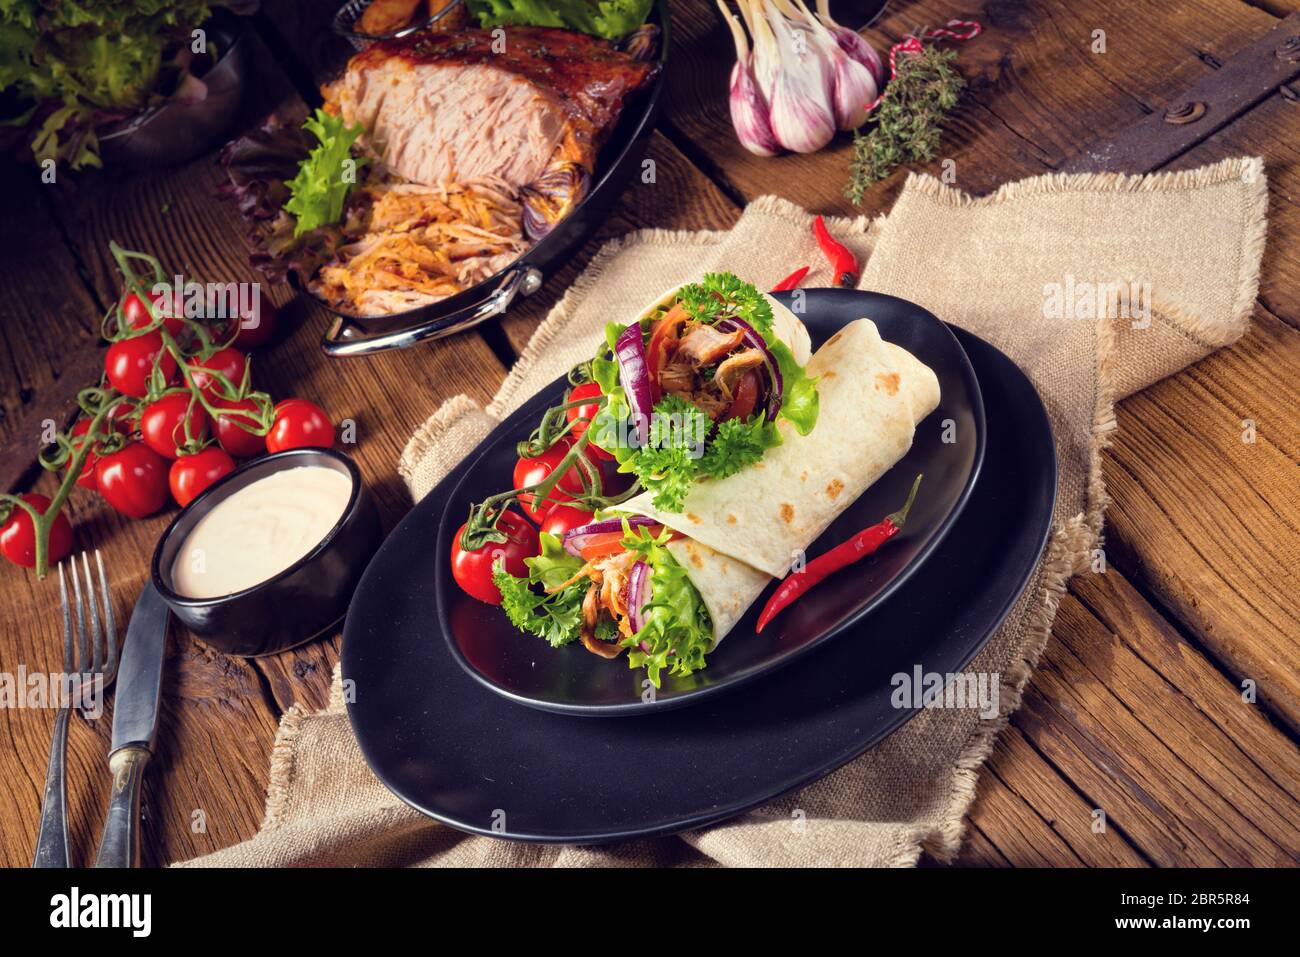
(722, 294)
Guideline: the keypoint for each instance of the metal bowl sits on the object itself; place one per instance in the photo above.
(351, 335)
(173, 133)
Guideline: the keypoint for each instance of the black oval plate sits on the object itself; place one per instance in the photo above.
(470, 758)
(573, 680)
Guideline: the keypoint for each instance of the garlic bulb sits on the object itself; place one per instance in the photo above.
(749, 111)
(804, 77)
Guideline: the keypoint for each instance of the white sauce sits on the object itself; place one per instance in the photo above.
(260, 531)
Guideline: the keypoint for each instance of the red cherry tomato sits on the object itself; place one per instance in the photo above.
(252, 326)
(236, 440)
(742, 403)
(530, 471)
(161, 423)
(190, 475)
(137, 315)
(87, 477)
(18, 534)
(129, 363)
(473, 570)
(560, 518)
(299, 424)
(119, 421)
(587, 411)
(229, 362)
(133, 480)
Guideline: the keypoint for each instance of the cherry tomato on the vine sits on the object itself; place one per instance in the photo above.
(587, 411)
(473, 570)
(162, 423)
(236, 440)
(299, 424)
(560, 518)
(130, 362)
(229, 363)
(133, 480)
(191, 475)
(18, 534)
(531, 471)
(118, 420)
(87, 477)
(137, 314)
(251, 326)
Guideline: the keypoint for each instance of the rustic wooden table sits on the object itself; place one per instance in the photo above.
(1137, 706)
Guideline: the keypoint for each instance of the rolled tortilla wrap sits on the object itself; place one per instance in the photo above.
(748, 527)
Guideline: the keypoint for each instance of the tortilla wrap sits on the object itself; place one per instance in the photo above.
(748, 527)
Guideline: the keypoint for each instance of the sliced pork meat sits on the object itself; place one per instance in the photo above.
(733, 367)
(705, 345)
(440, 108)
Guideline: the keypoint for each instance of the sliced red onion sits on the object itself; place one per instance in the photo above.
(638, 594)
(755, 339)
(575, 538)
(634, 374)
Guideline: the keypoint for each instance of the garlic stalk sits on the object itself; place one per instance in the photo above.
(854, 44)
(802, 116)
(766, 59)
(853, 85)
(749, 111)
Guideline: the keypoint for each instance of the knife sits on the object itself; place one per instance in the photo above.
(135, 722)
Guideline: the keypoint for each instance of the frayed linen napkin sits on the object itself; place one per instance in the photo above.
(1096, 285)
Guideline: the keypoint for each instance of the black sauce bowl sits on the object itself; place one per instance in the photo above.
(302, 602)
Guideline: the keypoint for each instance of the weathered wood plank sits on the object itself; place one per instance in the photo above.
(1176, 784)
(49, 324)
(1033, 815)
(1209, 522)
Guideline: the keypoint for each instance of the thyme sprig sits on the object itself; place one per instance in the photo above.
(908, 120)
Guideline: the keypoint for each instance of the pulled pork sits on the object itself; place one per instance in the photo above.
(704, 367)
(606, 599)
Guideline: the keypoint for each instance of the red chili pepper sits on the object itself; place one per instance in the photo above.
(846, 553)
(791, 281)
(841, 258)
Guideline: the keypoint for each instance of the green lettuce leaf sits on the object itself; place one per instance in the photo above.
(557, 617)
(611, 19)
(321, 186)
(554, 565)
(677, 630)
(799, 400)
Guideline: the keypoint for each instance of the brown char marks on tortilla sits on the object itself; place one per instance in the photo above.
(694, 518)
(787, 512)
(833, 339)
(731, 519)
(834, 488)
(889, 381)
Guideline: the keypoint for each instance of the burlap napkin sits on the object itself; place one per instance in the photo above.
(1033, 269)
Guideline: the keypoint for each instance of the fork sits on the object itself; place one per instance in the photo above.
(96, 661)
